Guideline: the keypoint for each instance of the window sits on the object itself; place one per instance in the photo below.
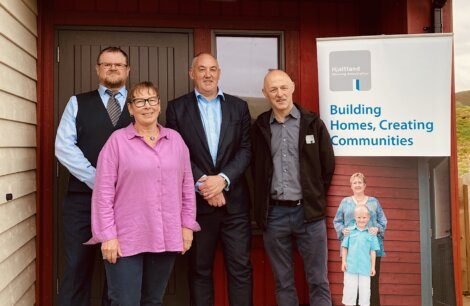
(244, 61)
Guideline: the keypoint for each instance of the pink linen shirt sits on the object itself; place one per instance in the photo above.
(143, 195)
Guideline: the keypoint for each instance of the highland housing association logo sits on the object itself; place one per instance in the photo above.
(350, 70)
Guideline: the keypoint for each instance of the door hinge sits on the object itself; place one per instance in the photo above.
(57, 286)
(58, 54)
(432, 291)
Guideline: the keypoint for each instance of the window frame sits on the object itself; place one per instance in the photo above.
(253, 33)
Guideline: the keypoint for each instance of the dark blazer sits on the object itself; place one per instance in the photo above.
(317, 165)
(233, 154)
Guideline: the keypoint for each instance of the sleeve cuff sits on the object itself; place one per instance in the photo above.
(105, 236)
(90, 184)
(192, 225)
(227, 180)
(380, 231)
(197, 184)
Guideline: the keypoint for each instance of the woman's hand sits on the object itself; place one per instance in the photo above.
(345, 231)
(111, 250)
(373, 230)
(343, 265)
(187, 239)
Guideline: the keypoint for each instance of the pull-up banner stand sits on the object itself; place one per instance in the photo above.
(387, 95)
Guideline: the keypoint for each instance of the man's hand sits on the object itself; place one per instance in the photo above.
(187, 239)
(343, 265)
(373, 231)
(217, 200)
(345, 231)
(211, 185)
(372, 271)
(111, 250)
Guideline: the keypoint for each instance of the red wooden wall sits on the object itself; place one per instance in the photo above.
(393, 181)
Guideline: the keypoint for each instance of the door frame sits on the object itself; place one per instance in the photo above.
(427, 225)
(425, 231)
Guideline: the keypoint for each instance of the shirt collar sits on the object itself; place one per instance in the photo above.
(294, 113)
(355, 227)
(219, 94)
(131, 132)
(102, 90)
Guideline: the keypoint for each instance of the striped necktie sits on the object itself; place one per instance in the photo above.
(113, 107)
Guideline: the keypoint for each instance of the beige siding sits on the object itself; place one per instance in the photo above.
(16, 58)
(19, 286)
(17, 262)
(27, 299)
(17, 109)
(22, 13)
(17, 210)
(18, 102)
(17, 134)
(16, 32)
(15, 83)
(16, 237)
(19, 159)
(19, 184)
(32, 5)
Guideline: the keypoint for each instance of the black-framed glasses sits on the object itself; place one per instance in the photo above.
(152, 101)
(110, 65)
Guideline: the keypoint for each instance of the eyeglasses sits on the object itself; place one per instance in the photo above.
(108, 66)
(152, 101)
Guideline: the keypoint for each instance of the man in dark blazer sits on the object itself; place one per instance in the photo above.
(215, 127)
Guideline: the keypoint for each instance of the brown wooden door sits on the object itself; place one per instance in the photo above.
(162, 57)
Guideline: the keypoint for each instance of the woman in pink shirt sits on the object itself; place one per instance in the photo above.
(143, 205)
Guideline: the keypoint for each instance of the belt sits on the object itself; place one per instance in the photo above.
(285, 202)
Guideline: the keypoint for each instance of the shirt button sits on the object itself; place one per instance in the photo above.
(285, 170)
(283, 139)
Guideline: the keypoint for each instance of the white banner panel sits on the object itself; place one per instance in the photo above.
(387, 95)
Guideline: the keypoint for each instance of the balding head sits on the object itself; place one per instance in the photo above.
(278, 89)
(202, 55)
(205, 73)
(273, 73)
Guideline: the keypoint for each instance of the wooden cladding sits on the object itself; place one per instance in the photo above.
(18, 78)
